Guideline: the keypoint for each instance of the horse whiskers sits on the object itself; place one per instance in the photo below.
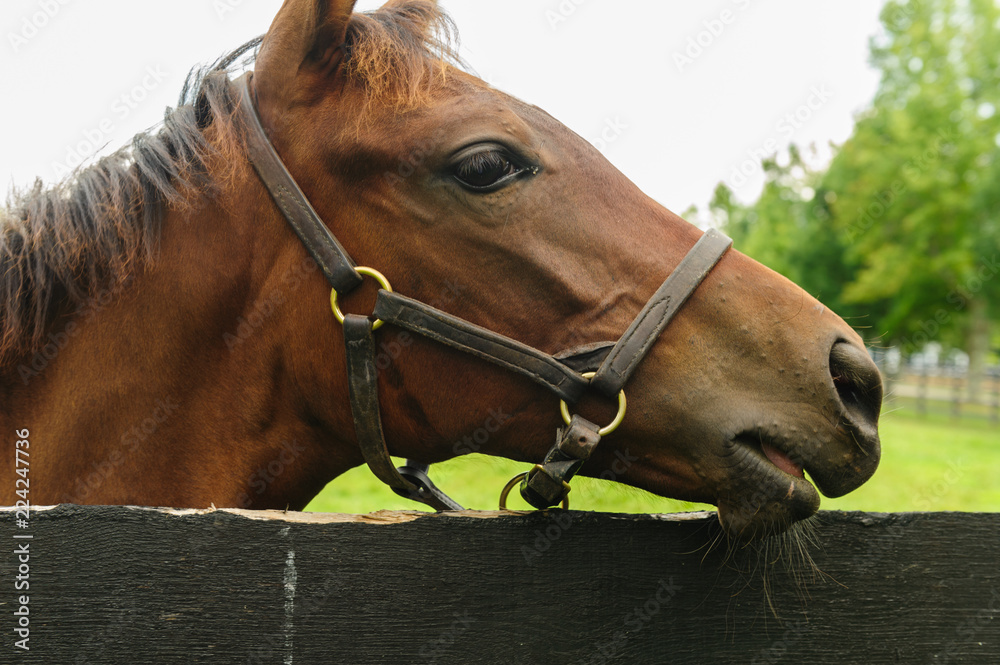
(758, 560)
(792, 549)
(719, 537)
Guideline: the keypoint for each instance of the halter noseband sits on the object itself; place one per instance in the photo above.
(565, 374)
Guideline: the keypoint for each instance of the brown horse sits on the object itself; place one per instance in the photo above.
(165, 334)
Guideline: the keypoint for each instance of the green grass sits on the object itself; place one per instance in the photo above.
(928, 463)
(931, 463)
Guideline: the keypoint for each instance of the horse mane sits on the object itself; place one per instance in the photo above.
(88, 236)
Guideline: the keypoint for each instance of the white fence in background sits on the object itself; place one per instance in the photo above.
(933, 382)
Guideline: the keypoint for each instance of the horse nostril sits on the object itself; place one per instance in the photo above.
(858, 383)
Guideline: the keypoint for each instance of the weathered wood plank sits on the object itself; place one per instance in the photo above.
(128, 585)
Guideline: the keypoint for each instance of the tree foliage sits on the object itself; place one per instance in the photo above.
(903, 227)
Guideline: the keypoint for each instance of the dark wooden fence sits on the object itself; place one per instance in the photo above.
(130, 585)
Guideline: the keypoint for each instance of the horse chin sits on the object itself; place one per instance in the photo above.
(770, 495)
(746, 521)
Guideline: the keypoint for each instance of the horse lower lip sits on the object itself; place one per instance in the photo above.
(782, 461)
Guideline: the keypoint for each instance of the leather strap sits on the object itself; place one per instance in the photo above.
(362, 375)
(442, 327)
(329, 255)
(659, 312)
(586, 358)
(548, 483)
(410, 481)
(427, 492)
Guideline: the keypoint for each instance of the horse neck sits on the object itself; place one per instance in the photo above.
(190, 387)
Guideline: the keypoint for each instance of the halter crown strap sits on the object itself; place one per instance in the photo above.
(329, 255)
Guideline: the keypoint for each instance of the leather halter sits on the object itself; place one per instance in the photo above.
(547, 483)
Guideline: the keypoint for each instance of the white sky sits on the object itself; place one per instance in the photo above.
(596, 65)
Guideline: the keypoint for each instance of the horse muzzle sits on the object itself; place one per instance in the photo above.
(767, 488)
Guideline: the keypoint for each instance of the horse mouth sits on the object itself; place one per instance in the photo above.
(770, 453)
(770, 490)
(782, 460)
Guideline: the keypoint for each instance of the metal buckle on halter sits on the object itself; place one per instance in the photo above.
(547, 484)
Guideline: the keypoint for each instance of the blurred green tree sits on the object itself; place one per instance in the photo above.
(901, 234)
(916, 186)
(789, 229)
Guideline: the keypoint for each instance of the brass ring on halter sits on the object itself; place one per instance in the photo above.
(371, 272)
(514, 481)
(613, 425)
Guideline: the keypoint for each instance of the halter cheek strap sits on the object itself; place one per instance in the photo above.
(323, 247)
(547, 484)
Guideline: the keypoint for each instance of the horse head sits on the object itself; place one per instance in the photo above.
(489, 207)
(464, 198)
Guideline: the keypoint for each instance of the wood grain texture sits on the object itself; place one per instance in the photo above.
(130, 585)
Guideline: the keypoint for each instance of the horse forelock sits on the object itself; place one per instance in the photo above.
(399, 51)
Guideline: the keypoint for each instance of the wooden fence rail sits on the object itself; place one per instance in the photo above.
(133, 585)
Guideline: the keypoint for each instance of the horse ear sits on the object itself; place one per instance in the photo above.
(305, 33)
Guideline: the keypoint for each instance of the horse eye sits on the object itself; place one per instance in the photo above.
(486, 170)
